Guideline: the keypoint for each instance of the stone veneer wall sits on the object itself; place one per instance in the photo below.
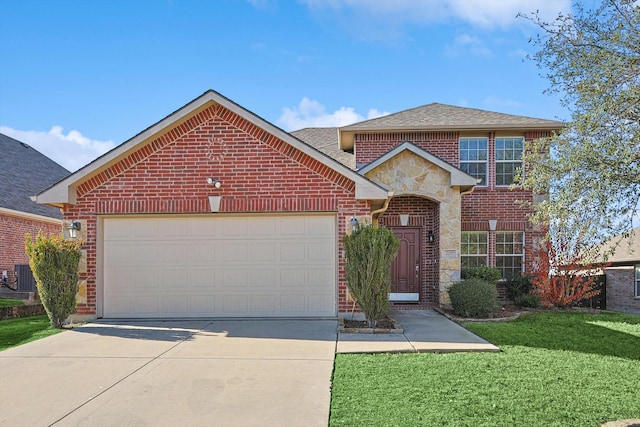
(620, 289)
(409, 174)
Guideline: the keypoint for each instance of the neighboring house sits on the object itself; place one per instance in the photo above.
(214, 211)
(25, 172)
(623, 273)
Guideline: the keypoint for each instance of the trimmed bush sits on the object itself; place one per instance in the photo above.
(370, 251)
(474, 298)
(488, 274)
(518, 285)
(54, 262)
(527, 300)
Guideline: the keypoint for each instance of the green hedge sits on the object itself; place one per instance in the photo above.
(474, 298)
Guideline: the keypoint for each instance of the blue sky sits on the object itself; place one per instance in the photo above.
(80, 77)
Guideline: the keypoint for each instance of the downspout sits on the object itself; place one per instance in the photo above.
(375, 214)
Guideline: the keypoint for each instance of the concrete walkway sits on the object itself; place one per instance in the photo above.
(424, 331)
(196, 373)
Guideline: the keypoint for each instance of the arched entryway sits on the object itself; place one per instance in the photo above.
(416, 270)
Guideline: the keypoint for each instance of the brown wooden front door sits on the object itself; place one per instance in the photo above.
(406, 271)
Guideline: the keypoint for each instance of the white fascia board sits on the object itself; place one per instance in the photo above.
(27, 215)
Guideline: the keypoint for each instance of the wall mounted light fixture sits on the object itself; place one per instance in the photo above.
(214, 182)
(430, 236)
(353, 223)
(74, 229)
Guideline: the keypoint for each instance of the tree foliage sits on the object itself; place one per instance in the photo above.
(54, 263)
(560, 275)
(370, 251)
(590, 170)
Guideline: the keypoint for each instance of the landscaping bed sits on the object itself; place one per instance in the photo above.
(384, 326)
(20, 311)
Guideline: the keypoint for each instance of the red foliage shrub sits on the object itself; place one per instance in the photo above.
(560, 275)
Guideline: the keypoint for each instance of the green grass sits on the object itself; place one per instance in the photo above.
(14, 332)
(556, 369)
(8, 302)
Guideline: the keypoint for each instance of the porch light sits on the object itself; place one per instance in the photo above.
(74, 229)
(214, 182)
(353, 223)
(430, 236)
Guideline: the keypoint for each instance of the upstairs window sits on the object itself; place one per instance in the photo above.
(475, 249)
(473, 157)
(508, 159)
(637, 284)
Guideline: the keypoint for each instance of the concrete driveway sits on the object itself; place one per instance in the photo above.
(227, 373)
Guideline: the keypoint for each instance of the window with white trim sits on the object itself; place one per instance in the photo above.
(508, 159)
(509, 252)
(473, 157)
(637, 284)
(475, 249)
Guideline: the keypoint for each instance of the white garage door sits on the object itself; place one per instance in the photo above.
(257, 266)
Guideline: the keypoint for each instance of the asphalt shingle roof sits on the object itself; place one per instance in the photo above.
(325, 140)
(627, 248)
(435, 115)
(24, 173)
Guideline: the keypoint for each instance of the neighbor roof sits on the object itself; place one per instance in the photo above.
(326, 141)
(442, 117)
(627, 248)
(26, 172)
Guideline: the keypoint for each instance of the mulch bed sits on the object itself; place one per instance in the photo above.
(386, 323)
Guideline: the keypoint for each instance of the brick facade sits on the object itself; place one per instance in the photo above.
(14, 228)
(620, 289)
(485, 202)
(259, 174)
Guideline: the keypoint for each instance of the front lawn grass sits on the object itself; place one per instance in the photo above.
(8, 302)
(14, 332)
(555, 369)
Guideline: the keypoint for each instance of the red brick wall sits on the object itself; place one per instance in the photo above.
(12, 238)
(490, 202)
(423, 213)
(258, 172)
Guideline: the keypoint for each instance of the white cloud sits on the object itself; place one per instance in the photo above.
(72, 150)
(480, 13)
(464, 44)
(310, 113)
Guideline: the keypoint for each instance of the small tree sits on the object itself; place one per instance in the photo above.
(370, 251)
(561, 276)
(54, 262)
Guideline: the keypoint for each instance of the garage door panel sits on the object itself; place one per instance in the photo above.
(203, 304)
(258, 266)
(199, 252)
(262, 278)
(175, 304)
(293, 251)
(174, 253)
(235, 252)
(321, 252)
